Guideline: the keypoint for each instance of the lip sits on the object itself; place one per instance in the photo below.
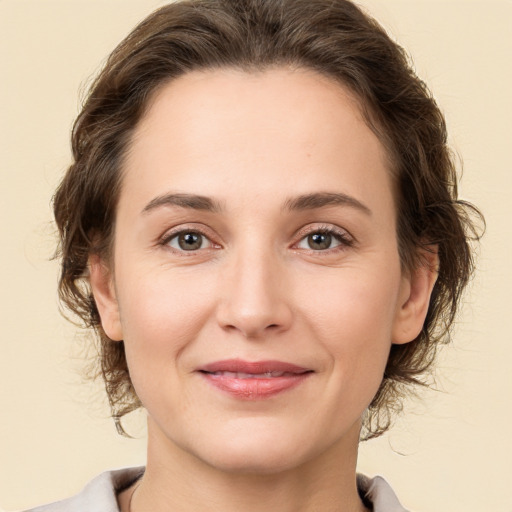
(257, 380)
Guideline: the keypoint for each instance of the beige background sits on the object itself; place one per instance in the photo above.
(452, 451)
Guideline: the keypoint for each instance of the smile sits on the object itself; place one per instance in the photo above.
(242, 375)
(253, 380)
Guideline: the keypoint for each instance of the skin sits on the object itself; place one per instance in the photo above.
(256, 289)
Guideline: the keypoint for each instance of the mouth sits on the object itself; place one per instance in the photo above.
(243, 375)
(253, 380)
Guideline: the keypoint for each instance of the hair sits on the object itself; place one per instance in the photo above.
(337, 40)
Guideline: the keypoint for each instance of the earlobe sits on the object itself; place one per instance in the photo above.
(415, 296)
(104, 294)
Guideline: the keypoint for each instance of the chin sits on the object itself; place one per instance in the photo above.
(257, 451)
(248, 461)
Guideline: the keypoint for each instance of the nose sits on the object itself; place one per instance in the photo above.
(254, 296)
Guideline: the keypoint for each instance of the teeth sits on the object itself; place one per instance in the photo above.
(242, 375)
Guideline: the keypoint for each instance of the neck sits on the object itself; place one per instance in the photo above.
(176, 480)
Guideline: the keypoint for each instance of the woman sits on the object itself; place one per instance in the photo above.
(261, 224)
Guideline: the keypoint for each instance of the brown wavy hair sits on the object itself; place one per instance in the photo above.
(332, 37)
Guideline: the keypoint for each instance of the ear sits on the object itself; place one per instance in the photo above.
(414, 300)
(103, 290)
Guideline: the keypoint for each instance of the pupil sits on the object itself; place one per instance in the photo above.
(190, 241)
(319, 241)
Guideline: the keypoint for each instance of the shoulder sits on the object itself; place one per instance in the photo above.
(99, 494)
(379, 494)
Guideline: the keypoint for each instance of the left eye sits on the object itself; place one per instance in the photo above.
(320, 241)
(188, 241)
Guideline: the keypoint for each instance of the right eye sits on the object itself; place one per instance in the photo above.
(188, 241)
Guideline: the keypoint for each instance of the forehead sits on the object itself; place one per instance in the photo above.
(218, 129)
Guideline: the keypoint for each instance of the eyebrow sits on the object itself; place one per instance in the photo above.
(302, 202)
(322, 199)
(193, 201)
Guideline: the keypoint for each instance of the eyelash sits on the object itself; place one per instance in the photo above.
(342, 237)
(169, 236)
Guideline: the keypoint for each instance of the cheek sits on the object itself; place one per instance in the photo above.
(352, 317)
(160, 316)
(160, 320)
(353, 300)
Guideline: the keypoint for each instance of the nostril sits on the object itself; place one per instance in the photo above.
(253, 318)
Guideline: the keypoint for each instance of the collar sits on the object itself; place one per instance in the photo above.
(101, 492)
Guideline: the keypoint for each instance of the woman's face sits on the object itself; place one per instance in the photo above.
(256, 280)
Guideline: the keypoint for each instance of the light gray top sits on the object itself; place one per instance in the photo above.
(99, 495)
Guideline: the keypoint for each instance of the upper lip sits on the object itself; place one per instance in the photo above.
(255, 367)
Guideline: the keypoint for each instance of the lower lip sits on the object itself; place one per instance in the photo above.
(255, 389)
